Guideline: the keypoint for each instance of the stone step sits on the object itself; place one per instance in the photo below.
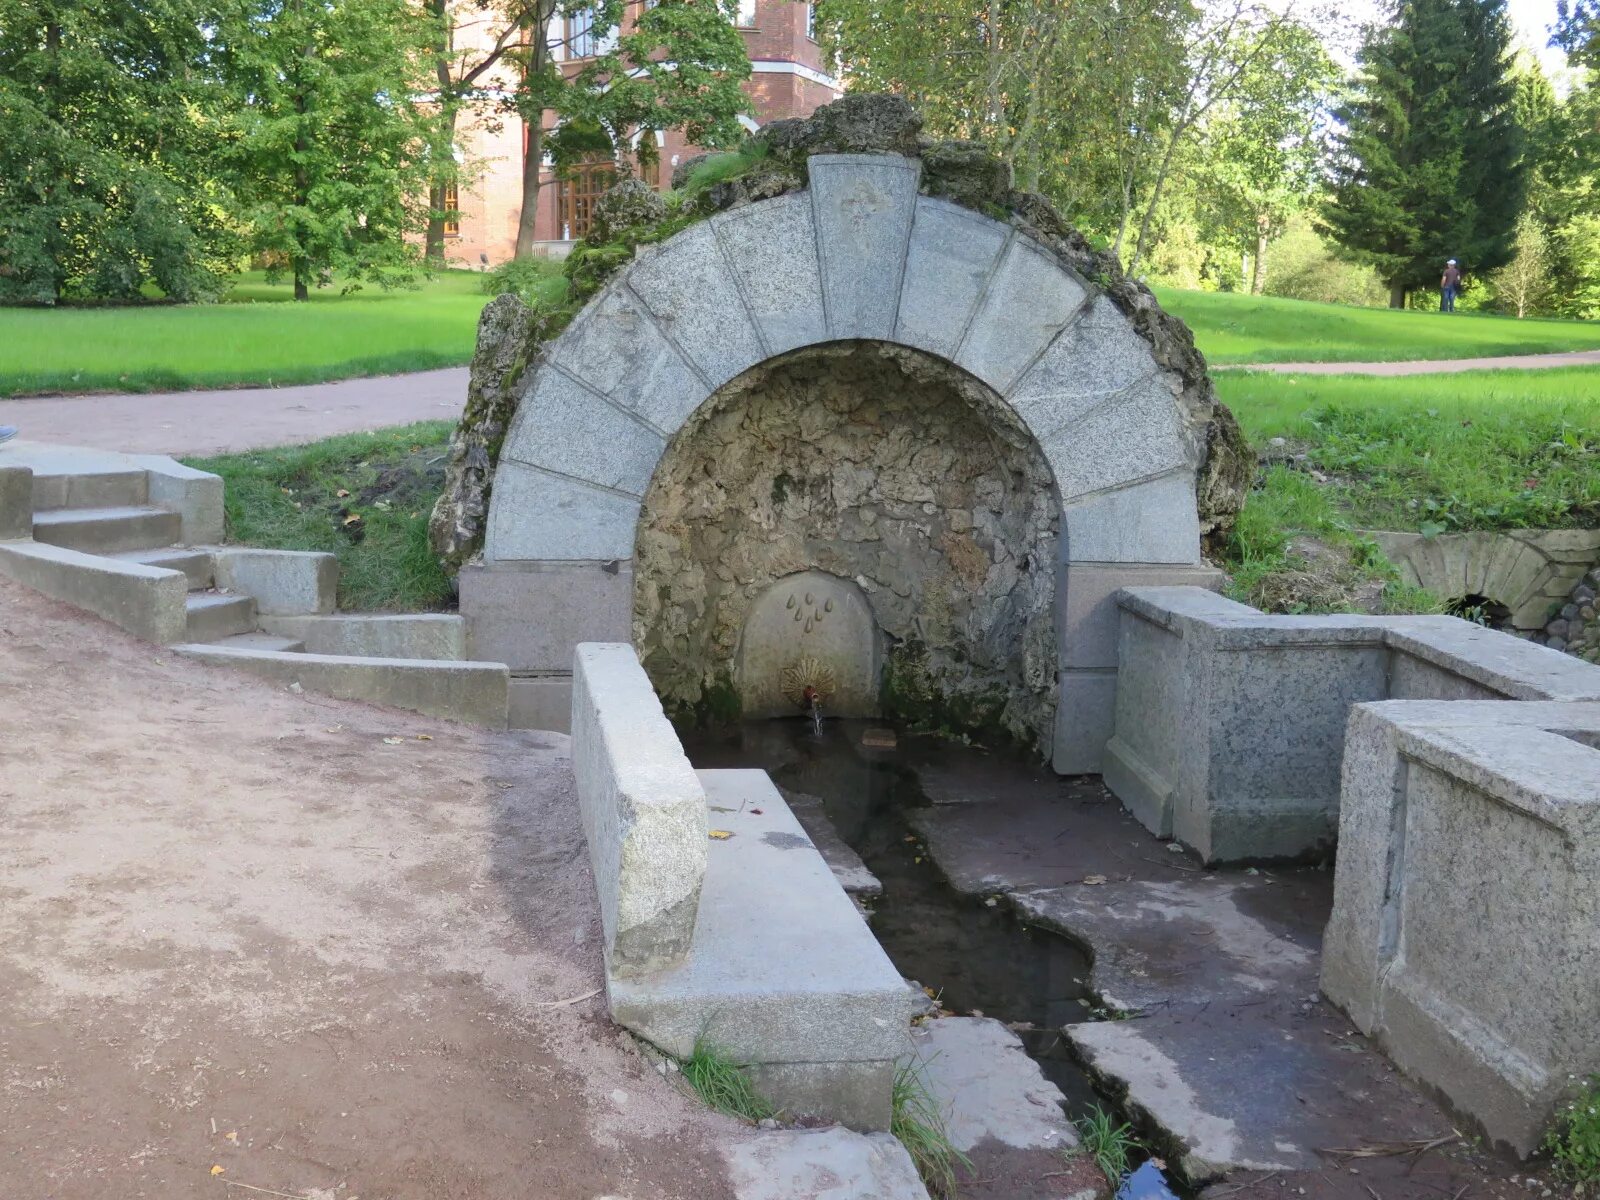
(196, 564)
(258, 640)
(107, 530)
(89, 486)
(216, 615)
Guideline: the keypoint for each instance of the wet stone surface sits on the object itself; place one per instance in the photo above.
(1002, 882)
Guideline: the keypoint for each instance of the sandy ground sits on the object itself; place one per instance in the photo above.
(220, 422)
(246, 941)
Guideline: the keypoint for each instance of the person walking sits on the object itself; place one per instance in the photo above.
(1449, 287)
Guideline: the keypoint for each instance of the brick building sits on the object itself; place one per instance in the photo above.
(788, 79)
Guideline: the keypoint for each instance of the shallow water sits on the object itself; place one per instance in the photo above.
(975, 958)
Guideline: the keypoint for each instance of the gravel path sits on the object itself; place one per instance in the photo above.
(1438, 366)
(200, 423)
(245, 940)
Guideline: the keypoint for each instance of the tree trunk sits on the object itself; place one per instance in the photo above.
(1397, 296)
(1258, 283)
(301, 291)
(532, 166)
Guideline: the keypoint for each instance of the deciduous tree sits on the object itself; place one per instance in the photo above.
(329, 135)
(107, 114)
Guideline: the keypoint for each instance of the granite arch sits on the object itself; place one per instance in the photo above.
(859, 255)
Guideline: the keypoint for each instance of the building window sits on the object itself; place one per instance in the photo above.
(811, 21)
(578, 34)
(452, 210)
(581, 185)
(747, 14)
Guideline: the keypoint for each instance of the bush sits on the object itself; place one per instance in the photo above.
(530, 279)
(1574, 1141)
(1303, 266)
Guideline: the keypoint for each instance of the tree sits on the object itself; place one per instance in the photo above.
(1242, 53)
(1430, 163)
(1067, 94)
(328, 141)
(649, 67)
(1524, 283)
(463, 78)
(106, 111)
(1260, 155)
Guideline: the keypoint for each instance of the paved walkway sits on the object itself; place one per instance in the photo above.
(200, 423)
(1440, 366)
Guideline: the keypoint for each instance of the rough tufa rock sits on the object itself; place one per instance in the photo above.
(509, 335)
(868, 124)
(628, 204)
(968, 174)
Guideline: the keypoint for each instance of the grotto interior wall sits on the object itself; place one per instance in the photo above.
(881, 465)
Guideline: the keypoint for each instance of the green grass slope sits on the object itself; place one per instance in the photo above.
(258, 336)
(1237, 329)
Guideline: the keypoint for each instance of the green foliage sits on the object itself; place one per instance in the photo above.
(257, 337)
(1304, 266)
(919, 1125)
(719, 168)
(1574, 1139)
(1430, 164)
(108, 112)
(1524, 285)
(328, 137)
(675, 64)
(1073, 95)
(536, 280)
(721, 1083)
(290, 499)
(1110, 1143)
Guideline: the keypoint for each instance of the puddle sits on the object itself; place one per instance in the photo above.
(979, 959)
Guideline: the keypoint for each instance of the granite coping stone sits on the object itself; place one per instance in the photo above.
(782, 969)
(643, 811)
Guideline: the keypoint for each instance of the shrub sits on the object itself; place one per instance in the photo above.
(1574, 1140)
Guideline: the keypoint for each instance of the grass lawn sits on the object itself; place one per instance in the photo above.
(259, 336)
(1435, 453)
(1233, 328)
(365, 497)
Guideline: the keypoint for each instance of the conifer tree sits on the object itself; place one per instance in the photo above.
(1430, 163)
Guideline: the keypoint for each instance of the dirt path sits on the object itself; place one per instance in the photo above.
(238, 930)
(198, 423)
(1439, 366)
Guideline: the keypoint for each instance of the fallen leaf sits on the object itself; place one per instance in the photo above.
(424, 737)
(720, 835)
(233, 1136)
(216, 1170)
(334, 728)
(1092, 880)
(917, 859)
(342, 493)
(1175, 847)
(392, 741)
(352, 519)
(756, 812)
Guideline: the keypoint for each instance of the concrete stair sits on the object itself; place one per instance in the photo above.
(211, 616)
(137, 540)
(90, 487)
(269, 643)
(197, 565)
(107, 530)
